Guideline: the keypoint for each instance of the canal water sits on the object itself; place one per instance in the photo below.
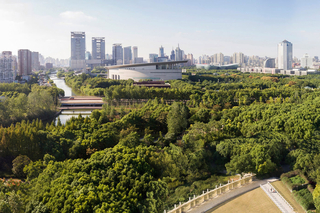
(67, 114)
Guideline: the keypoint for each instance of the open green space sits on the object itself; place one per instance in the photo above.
(151, 148)
(251, 202)
(286, 194)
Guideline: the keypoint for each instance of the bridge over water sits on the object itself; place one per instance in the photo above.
(81, 102)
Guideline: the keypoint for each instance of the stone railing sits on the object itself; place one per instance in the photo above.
(210, 194)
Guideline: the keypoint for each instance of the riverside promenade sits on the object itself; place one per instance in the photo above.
(224, 196)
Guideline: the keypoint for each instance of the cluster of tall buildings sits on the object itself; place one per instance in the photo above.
(22, 65)
(82, 59)
(221, 59)
(286, 64)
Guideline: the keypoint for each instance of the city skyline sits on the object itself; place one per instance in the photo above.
(231, 28)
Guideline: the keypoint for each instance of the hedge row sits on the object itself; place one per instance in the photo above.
(304, 197)
(285, 179)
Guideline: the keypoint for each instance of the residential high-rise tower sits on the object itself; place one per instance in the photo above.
(285, 55)
(306, 61)
(78, 50)
(35, 61)
(161, 52)
(127, 55)
(117, 54)
(24, 62)
(135, 54)
(98, 48)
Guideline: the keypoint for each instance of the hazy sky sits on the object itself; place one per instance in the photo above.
(254, 27)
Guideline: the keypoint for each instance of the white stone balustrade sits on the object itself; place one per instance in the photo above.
(210, 194)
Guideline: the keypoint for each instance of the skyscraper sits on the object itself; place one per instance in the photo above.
(179, 56)
(285, 55)
(78, 50)
(24, 62)
(220, 58)
(153, 57)
(306, 61)
(238, 58)
(190, 60)
(117, 54)
(78, 45)
(98, 48)
(161, 52)
(135, 54)
(35, 61)
(7, 67)
(127, 55)
(172, 56)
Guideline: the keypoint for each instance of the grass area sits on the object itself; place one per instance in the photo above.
(251, 202)
(297, 180)
(184, 191)
(285, 192)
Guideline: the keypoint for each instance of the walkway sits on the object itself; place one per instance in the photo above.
(206, 206)
(282, 204)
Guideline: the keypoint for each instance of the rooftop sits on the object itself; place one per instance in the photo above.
(146, 64)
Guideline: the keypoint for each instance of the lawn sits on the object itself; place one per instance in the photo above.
(285, 192)
(251, 202)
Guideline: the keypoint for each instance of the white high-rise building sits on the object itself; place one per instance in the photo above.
(285, 55)
(306, 61)
(238, 58)
(78, 50)
(220, 58)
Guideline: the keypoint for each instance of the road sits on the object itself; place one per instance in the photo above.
(206, 206)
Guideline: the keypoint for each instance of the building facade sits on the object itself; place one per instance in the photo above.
(161, 52)
(269, 63)
(178, 54)
(134, 54)
(98, 48)
(285, 55)
(117, 54)
(35, 61)
(172, 56)
(24, 62)
(127, 55)
(155, 71)
(238, 58)
(306, 61)
(190, 59)
(7, 67)
(78, 50)
(153, 58)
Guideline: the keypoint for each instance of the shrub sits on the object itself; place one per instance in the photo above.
(297, 180)
(304, 197)
(18, 164)
(294, 180)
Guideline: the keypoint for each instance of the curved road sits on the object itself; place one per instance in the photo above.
(206, 206)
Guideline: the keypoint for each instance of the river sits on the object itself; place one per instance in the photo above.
(67, 114)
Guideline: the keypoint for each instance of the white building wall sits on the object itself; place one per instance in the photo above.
(147, 72)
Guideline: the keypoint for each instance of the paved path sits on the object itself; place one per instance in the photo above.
(206, 206)
(277, 198)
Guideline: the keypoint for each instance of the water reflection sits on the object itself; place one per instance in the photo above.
(67, 114)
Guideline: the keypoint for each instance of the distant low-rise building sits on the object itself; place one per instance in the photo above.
(270, 63)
